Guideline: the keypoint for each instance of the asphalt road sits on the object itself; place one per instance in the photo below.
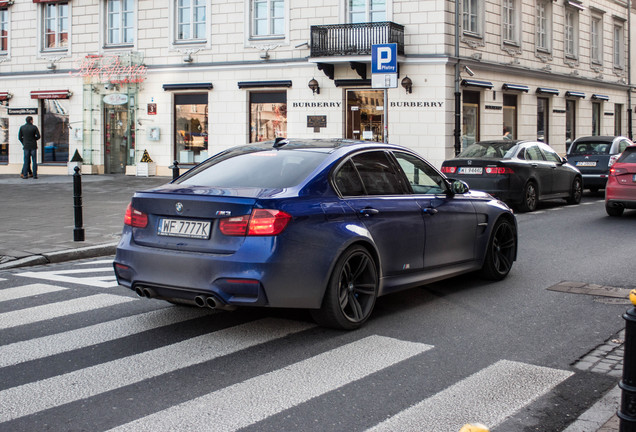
(79, 353)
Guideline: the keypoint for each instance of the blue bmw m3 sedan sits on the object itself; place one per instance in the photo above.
(325, 225)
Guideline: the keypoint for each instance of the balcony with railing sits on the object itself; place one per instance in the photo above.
(354, 39)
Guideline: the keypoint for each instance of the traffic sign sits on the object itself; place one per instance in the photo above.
(384, 58)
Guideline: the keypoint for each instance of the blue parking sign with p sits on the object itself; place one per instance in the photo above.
(384, 58)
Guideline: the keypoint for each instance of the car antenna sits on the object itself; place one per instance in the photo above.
(280, 141)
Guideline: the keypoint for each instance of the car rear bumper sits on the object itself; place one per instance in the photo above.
(245, 278)
(627, 203)
(594, 180)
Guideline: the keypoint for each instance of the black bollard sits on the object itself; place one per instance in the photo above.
(627, 412)
(175, 170)
(78, 231)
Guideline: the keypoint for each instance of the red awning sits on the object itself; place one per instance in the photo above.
(5, 3)
(51, 94)
(48, 1)
(5, 96)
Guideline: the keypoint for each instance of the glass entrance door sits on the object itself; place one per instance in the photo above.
(118, 140)
(365, 115)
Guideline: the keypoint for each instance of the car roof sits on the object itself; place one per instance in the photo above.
(598, 138)
(326, 145)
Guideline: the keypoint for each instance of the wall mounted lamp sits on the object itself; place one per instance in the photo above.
(407, 84)
(313, 85)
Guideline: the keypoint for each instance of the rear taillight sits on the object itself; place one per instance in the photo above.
(613, 159)
(449, 170)
(617, 171)
(135, 218)
(262, 222)
(499, 170)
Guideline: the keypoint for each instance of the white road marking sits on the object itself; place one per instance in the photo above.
(49, 311)
(98, 262)
(28, 291)
(256, 399)
(105, 281)
(45, 346)
(33, 397)
(489, 397)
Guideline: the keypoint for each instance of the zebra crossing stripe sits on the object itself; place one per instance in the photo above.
(246, 403)
(489, 397)
(48, 311)
(64, 276)
(33, 397)
(19, 352)
(27, 291)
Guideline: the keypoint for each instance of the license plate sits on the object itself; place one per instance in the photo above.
(184, 228)
(470, 170)
(586, 163)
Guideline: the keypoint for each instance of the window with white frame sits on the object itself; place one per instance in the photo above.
(596, 40)
(472, 17)
(4, 31)
(55, 26)
(120, 19)
(268, 18)
(571, 32)
(509, 21)
(618, 44)
(544, 25)
(360, 11)
(190, 20)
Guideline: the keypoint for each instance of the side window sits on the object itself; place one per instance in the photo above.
(534, 153)
(522, 154)
(551, 156)
(422, 177)
(377, 173)
(347, 181)
(622, 146)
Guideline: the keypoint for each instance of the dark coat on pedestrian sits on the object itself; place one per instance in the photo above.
(29, 136)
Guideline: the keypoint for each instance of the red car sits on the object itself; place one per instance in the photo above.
(620, 192)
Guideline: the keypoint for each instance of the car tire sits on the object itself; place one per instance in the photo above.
(614, 211)
(351, 291)
(530, 198)
(501, 251)
(576, 192)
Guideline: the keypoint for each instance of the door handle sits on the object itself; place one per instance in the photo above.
(430, 211)
(534, 165)
(369, 211)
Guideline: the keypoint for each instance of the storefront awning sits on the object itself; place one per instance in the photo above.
(516, 87)
(188, 86)
(600, 97)
(260, 84)
(5, 3)
(574, 94)
(5, 96)
(546, 90)
(352, 82)
(476, 83)
(51, 94)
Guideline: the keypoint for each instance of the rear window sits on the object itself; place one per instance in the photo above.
(494, 150)
(628, 156)
(591, 148)
(270, 169)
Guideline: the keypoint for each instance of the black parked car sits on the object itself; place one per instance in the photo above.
(594, 155)
(520, 173)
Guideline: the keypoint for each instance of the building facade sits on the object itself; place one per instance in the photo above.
(185, 79)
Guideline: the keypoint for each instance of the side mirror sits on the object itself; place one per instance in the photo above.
(564, 160)
(459, 187)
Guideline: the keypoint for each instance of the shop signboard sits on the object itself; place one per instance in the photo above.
(116, 99)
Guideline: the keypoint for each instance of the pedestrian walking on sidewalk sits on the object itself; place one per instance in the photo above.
(29, 136)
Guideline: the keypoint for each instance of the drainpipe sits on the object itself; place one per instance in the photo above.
(629, 69)
(458, 100)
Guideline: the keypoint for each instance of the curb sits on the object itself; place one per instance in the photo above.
(62, 256)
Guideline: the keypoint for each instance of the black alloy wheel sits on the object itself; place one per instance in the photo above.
(576, 193)
(351, 293)
(530, 198)
(501, 251)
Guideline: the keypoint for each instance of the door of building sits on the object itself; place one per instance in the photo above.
(117, 139)
(365, 115)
